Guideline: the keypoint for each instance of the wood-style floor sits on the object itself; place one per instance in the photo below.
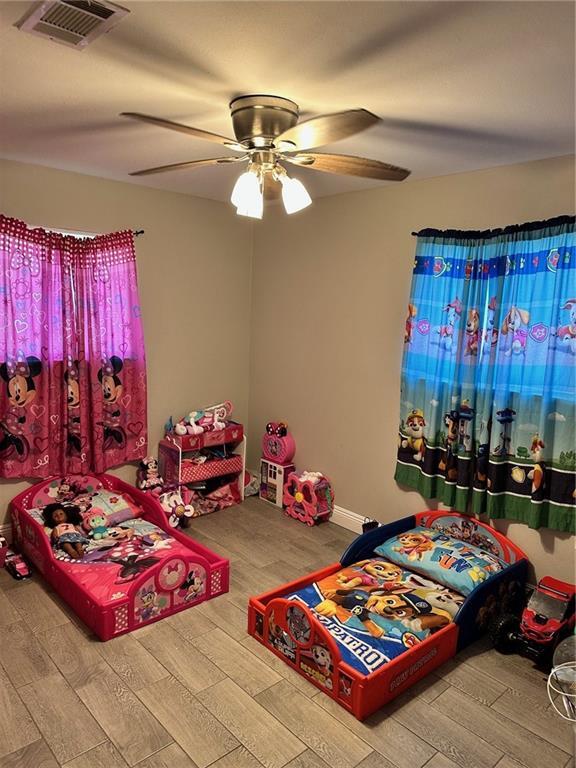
(194, 690)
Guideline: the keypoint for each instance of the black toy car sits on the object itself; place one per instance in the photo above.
(16, 566)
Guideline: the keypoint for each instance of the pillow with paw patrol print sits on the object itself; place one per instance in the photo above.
(455, 564)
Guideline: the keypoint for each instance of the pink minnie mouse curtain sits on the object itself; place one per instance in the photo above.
(72, 363)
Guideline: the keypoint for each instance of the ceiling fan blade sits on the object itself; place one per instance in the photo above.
(272, 188)
(190, 164)
(349, 165)
(188, 130)
(326, 129)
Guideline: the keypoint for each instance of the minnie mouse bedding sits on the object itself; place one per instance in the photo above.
(139, 571)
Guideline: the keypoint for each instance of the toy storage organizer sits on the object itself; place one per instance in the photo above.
(315, 646)
(177, 469)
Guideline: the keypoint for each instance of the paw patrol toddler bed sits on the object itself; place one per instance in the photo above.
(404, 598)
(137, 570)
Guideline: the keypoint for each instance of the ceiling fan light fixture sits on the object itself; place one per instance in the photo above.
(247, 195)
(246, 187)
(268, 133)
(253, 209)
(294, 194)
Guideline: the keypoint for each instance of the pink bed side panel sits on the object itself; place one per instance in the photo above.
(185, 574)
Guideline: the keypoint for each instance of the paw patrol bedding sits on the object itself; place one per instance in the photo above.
(455, 563)
(375, 610)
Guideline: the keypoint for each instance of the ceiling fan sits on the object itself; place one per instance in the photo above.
(268, 134)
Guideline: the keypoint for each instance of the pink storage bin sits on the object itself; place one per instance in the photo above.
(233, 433)
(194, 473)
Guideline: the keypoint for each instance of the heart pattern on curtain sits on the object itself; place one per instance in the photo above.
(72, 359)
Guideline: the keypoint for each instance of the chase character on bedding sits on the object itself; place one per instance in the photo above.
(348, 603)
(410, 609)
(65, 521)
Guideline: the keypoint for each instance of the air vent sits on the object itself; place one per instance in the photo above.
(75, 23)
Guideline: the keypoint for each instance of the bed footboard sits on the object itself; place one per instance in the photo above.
(295, 634)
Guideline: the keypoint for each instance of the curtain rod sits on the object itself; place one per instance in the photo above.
(529, 226)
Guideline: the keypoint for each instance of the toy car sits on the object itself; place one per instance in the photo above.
(546, 620)
(16, 566)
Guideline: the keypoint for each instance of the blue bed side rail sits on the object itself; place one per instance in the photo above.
(507, 588)
(363, 547)
(497, 586)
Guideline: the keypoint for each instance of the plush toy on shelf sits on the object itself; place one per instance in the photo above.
(308, 497)
(149, 478)
(188, 425)
(211, 419)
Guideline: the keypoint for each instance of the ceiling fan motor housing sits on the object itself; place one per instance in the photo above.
(258, 119)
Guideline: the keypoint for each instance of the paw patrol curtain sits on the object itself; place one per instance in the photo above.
(488, 401)
(72, 363)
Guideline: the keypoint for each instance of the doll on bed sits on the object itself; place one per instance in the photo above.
(65, 521)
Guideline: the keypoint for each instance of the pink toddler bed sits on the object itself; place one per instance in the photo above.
(141, 571)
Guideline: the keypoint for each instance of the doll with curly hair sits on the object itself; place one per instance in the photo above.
(64, 520)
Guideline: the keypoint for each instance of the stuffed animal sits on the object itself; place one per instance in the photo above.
(148, 475)
(95, 525)
(210, 419)
(192, 426)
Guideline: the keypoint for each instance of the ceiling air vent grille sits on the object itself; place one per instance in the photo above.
(72, 22)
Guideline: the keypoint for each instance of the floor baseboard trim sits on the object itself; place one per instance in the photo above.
(345, 518)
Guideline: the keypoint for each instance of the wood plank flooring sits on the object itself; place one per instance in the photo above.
(195, 691)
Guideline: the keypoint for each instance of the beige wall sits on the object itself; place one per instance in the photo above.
(330, 289)
(194, 269)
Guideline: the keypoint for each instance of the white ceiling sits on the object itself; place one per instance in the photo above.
(459, 85)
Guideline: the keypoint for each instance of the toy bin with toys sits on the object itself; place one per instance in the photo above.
(203, 457)
(404, 598)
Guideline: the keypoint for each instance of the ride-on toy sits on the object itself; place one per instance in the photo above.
(547, 619)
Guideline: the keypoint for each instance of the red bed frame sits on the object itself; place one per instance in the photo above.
(115, 616)
(363, 694)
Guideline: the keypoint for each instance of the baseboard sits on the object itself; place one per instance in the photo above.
(347, 519)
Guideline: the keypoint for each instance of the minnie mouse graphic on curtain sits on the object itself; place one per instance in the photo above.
(114, 434)
(72, 381)
(19, 376)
